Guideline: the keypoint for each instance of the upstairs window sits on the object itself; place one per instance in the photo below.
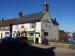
(22, 26)
(1, 28)
(7, 27)
(33, 25)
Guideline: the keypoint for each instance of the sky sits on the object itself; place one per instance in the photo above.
(63, 10)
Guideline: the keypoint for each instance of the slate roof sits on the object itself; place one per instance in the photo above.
(35, 17)
(29, 18)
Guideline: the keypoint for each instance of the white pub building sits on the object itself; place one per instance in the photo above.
(35, 25)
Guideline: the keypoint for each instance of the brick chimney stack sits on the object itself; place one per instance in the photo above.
(20, 14)
(46, 6)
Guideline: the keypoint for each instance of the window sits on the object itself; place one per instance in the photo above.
(31, 34)
(23, 33)
(45, 33)
(4, 28)
(1, 28)
(22, 26)
(33, 25)
(7, 34)
(7, 27)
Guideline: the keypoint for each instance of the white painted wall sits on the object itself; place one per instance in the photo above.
(38, 29)
(28, 28)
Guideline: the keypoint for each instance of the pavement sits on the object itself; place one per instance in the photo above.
(65, 54)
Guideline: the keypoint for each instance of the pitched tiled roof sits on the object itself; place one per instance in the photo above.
(30, 18)
(7, 22)
(35, 17)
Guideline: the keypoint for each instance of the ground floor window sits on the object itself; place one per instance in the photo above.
(7, 34)
(23, 33)
(18, 33)
(31, 34)
(45, 33)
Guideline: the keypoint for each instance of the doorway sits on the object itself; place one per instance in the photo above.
(37, 37)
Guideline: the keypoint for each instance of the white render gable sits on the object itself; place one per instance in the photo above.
(48, 26)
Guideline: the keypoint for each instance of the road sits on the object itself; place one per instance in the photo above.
(60, 51)
(65, 54)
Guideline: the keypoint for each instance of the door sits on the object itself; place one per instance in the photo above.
(37, 37)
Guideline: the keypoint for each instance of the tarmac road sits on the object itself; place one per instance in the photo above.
(60, 51)
(65, 54)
